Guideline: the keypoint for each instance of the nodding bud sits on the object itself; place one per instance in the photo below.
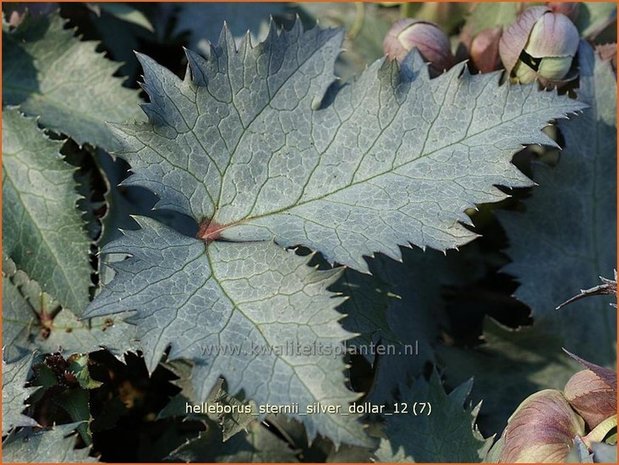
(426, 37)
(567, 8)
(592, 396)
(542, 429)
(539, 45)
(484, 50)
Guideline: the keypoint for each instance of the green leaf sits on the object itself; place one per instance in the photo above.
(567, 238)
(258, 445)
(593, 18)
(230, 423)
(32, 320)
(446, 433)
(76, 335)
(75, 402)
(43, 231)
(366, 308)
(404, 315)
(14, 394)
(49, 73)
(56, 445)
(249, 145)
(507, 368)
(203, 21)
(239, 144)
(251, 312)
(78, 365)
(563, 242)
(17, 320)
(127, 13)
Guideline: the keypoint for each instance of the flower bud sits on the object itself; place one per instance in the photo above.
(593, 398)
(608, 52)
(484, 50)
(542, 429)
(16, 12)
(549, 42)
(569, 9)
(426, 37)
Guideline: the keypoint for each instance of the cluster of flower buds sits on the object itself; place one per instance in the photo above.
(431, 42)
(540, 45)
(546, 425)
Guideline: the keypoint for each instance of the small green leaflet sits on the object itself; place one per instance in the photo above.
(43, 231)
(50, 73)
(26, 329)
(447, 434)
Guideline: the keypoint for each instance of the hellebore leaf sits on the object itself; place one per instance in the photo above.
(50, 73)
(535, 362)
(32, 320)
(405, 315)
(230, 423)
(247, 145)
(202, 21)
(56, 446)
(258, 144)
(17, 319)
(413, 436)
(258, 444)
(250, 312)
(14, 394)
(563, 242)
(567, 238)
(43, 231)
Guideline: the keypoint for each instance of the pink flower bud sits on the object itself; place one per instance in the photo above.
(16, 12)
(567, 8)
(591, 397)
(608, 52)
(539, 45)
(484, 50)
(426, 37)
(542, 429)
